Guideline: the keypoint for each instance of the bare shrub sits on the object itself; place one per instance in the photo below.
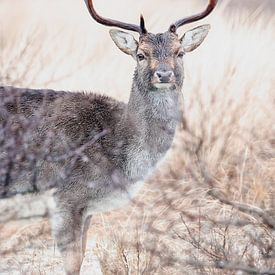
(210, 209)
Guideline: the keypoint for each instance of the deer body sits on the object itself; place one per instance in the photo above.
(94, 151)
(138, 134)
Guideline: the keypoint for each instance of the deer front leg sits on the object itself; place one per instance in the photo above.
(84, 234)
(67, 226)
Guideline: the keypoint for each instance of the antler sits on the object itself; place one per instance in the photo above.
(114, 23)
(193, 18)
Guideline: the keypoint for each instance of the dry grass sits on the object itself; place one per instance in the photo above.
(184, 221)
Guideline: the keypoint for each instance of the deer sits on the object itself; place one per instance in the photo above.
(113, 146)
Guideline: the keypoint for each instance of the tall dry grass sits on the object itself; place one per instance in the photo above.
(190, 218)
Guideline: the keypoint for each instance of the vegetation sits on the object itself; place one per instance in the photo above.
(210, 207)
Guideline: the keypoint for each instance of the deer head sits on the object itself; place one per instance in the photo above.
(159, 56)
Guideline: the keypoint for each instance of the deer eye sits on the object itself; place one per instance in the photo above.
(140, 56)
(180, 54)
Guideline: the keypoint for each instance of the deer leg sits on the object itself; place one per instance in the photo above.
(67, 228)
(84, 234)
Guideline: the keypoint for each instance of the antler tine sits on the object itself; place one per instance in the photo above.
(193, 18)
(114, 23)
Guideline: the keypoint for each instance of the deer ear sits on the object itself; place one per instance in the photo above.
(124, 41)
(193, 38)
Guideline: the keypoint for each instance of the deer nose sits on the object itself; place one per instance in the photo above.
(164, 76)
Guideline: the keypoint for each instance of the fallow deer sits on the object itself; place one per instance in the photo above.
(113, 146)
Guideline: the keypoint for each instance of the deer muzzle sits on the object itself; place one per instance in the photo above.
(163, 79)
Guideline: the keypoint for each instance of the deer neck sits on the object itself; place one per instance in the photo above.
(150, 120)
(152, 111)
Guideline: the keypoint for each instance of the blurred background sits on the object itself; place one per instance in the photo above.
(60, 46)
(228, 129)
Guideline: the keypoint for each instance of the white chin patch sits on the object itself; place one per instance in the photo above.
(163, 85)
